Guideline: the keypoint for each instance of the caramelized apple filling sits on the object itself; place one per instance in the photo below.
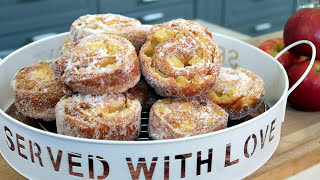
(99, 110)
(108, 110)
(200, 54)
(220, 95)
(204, 41)
(214, 94)
(28, 79)
(210, 121)
(105, 111)
(182, 81)
(67, 43)
(184, 125)
(166, 101)
(196, 60)
(45, 74)
(156, 70)
(196, 80)
(162, 34)
(107, 61)
(150, 51)
(176, 62)
(111, 49)
(216, 111)
(185, 107)
(162, 110)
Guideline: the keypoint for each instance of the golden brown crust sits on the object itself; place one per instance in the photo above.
(171, 119)
(182, 23)
(238, 91)
(111, 117)
(113, 24)
(98, 64)
(36, 92)
(179, 59)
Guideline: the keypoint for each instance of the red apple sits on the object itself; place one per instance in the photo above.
(304, 24)
(306, 96)
(274, 46)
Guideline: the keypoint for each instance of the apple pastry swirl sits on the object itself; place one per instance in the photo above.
(36, 92)
(113, 24)
(98, 64)
(238, 91)
(111, 117)
(180, 60)
(179, 118)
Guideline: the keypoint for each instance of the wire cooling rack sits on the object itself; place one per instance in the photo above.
(143, 136)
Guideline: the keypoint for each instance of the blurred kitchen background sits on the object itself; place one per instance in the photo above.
(24, 21)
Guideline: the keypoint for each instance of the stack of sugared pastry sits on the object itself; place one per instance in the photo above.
(95, 89)
(99, 63)
(181, 61)
(97, 67)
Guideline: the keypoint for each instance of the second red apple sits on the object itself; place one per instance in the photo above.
(306, 96)
(276, 45)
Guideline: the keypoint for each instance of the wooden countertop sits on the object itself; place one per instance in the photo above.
(298, 150)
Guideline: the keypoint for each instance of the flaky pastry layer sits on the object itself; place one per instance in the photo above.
(170, 119)
(113, 24)
(238, 91)
(36, 92)
(108, 116)
(98, 64)
(180, 59)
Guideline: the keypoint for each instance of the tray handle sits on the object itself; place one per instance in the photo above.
(310, 64)
(304, 75)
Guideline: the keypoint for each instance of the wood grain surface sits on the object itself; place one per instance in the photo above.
(298, 150)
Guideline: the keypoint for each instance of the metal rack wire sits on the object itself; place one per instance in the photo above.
(143, 136)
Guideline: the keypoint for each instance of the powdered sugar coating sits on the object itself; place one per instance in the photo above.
(183, 23)
(179, 118)
(113, 24)
(108, 116)
(238, 91)
(199, 57)
(98, 64)
(36, 92)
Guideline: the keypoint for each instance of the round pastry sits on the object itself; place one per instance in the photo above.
(144, 94)
(36, 92)
(170, 119)
(111, 117)
(98, 64)
(238, 91)
(113, 24)
(180, 60)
